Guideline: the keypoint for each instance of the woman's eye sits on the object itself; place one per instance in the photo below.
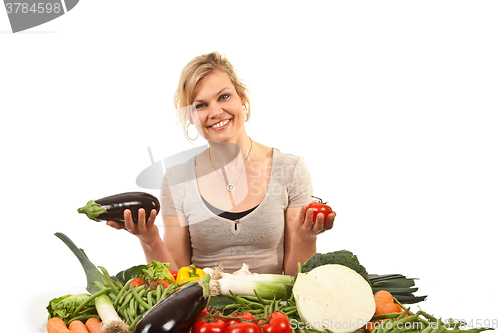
(199, 106)
(224, 96)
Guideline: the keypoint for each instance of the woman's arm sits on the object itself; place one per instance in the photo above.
(148, 235)
(301, 234)
(176, 240)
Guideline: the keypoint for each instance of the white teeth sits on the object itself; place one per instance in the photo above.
(220, 124)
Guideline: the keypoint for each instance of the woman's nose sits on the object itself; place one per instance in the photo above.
(214, 110)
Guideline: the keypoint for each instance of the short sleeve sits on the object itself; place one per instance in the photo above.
(300, 187)
(170, 197)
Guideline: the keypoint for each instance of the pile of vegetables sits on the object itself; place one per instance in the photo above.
(331, 292)
(393, 317)
(399, 285)
(122, 306)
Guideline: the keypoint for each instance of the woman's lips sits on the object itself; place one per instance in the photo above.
(220, 125)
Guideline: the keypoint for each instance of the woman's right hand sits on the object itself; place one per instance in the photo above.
(146, 231)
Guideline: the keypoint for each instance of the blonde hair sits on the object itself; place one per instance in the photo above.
(194, 72)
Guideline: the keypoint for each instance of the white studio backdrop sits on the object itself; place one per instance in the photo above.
(394, 105)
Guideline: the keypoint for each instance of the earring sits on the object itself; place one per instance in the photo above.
(245, 108)
(186, 132)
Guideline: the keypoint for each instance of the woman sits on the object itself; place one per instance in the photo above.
(238, 201)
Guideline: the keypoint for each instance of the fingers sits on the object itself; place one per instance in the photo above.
(136, 228)
(116, 225)
(320, 225)
(306, 215)
(329, 221)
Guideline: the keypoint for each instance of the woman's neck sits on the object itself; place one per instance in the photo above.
(225, 153)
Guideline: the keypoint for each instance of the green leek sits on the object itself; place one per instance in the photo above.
(111, 321)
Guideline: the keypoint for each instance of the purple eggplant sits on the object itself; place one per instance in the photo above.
(178, 312)
(111, 208)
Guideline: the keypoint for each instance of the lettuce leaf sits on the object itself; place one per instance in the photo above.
(156, 271)
(64, 306)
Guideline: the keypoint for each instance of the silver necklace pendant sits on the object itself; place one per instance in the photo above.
(230, 187)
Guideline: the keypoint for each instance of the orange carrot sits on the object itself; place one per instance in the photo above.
(383, 297)
(78, 327)
(56, 325)
(93, 325)
(388, 308)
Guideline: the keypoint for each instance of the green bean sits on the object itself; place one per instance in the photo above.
(429, 317)
(100, 285)
(428, 329)
(232, 306)
(239, 300)
(150, 298)
(168, 290)
(260, 299)
(122, 290)
(159, 291)
(91, 298)
(142, 309)
(140, 293)
(386, 316)
(124, 314)
(389, 325)
(127, 299)
(110, 282)
(407, 319)
(253, 311)
(133, 307)
(440, 327)
(134, 322)
(252, 304)
(271, 306)
(139, 299)
(406, 311)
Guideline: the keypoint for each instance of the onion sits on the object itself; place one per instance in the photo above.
(333, 297)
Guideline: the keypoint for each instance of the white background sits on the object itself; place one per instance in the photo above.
(393, 104)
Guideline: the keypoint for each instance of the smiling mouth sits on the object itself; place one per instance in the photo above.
(220, 124)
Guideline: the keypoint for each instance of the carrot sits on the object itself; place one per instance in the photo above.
(383, 297)
(56, 325)
(93, 325)
(388, 308)
(384, 304)
(78, 327)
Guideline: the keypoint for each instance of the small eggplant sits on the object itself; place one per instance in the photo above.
(178, 312)
(111, 208)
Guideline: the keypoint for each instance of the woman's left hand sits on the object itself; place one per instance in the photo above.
(309, 228)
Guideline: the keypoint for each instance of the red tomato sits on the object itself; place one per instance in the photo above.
(209, 311)
(164, 283)
(203, 313)
(243, 327)
(174, 274)
(320, 207)
(136, 282)
(202, 326)
(237, 316)
(279, 323)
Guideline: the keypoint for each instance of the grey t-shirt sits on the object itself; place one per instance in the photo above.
(256, 239)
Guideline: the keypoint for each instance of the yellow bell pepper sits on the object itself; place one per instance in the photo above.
(189, 273)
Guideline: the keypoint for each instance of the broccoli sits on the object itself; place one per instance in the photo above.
(341, 257)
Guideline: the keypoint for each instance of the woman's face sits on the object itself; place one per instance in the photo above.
(218, 110)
